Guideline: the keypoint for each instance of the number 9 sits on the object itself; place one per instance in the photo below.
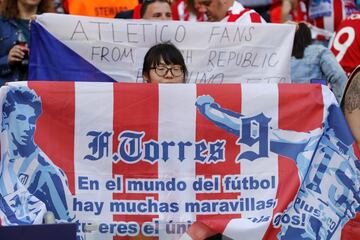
(342, 47)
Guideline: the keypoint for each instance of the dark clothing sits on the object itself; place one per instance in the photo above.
(23, 25)
(218, 236)
(125, 14)
(9, 29)
(130, 14)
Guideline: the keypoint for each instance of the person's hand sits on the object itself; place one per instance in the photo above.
(16, 54)
(32, 18)
(203, 100)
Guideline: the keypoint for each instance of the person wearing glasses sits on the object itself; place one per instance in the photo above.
(164, 63)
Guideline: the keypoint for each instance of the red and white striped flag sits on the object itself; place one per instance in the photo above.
(151, 159)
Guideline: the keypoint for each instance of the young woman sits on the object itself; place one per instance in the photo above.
(15, 35)
(164, 63)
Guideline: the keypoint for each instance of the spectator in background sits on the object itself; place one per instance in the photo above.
(351, 108)
(156, 10)
(98, 8)
(15, 36)
(149, 9)
(263, 7)
(351, 104)
(185, 10)
(130, 14)
(323, 15)
(227, 11)
(59, 7)
(346, 43)
(293, 10)
(310, 61)
(164, 63)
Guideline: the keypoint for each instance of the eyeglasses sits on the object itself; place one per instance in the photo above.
(161, 71)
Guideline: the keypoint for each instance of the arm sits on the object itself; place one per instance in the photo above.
(52, 182)
(226, 119)
(333, 72)
(289, 136)
(352, 107)
(287, 7)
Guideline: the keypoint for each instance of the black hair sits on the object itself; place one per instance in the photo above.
(301, 41)
(146, 3)
(166, 52)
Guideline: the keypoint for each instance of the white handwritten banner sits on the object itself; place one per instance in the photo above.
(137, 160)
(99, 49)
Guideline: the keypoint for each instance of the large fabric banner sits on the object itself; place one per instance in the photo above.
(99, 49)
(148, 160)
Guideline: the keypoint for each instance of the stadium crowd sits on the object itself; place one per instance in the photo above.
(326, 45)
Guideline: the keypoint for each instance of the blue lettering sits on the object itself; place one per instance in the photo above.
(182, 149)
(132, 149)
(254, 133)
(99, 145)
(129, 147)
(216, 152)
(200, 148)
(165, 147)
(151, 151)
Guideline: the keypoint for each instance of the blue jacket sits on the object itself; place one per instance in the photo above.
(319, 63)
(8, 36)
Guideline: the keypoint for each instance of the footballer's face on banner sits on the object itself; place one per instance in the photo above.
(22, 124)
